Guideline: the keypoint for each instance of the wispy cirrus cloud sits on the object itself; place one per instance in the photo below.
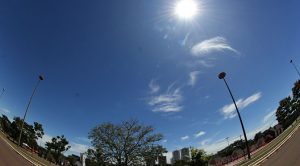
(269, 116)
(199, 134)
(78, 148)
(168, 101)
(185, 138)
(4, 110)
(229, 110)
(205, 141)
(211, 45)
(153, 87)
(193, 77)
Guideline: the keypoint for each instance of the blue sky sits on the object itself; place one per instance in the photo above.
(114, 61)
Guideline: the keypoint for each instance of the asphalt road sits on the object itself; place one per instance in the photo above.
(288, 154)
(8, 157)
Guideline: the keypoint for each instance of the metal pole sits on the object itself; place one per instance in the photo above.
(237, 110)
(23, 120)
(295, 67)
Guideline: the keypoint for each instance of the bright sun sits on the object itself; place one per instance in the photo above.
(186, 9)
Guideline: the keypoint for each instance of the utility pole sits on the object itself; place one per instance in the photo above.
(23, 120)
(295, 67)
(222, 76)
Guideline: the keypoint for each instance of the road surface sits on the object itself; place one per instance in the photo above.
(288, 154)
(8, 157)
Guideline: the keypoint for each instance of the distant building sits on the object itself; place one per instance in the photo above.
(82, 159)
(176, 156)
(185, 154)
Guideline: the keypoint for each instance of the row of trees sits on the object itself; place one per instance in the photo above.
(289, 107)
(132, 144)
(31, 133)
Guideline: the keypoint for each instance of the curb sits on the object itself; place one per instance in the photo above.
(33, 163)
(261, 160)
(277, 147)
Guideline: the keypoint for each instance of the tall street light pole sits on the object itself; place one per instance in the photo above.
(41, 78)
(222, 77)
(295, 67)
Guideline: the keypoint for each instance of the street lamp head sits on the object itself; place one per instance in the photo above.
(41, 77)
(222, 75)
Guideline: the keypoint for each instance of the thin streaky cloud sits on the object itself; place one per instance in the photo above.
(4, 110)
(193, 77)
(205, 142)
(78, 148)
(229, 110)
(154, 87)
(199, 134)
(168, 101)
(185, 137)
(211, 45)
(269, 116)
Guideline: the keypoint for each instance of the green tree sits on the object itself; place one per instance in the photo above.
(296, 99)
(284, 111)
(94, 158)
(296, 91)
(30, 133)
(124, 144)
(152, 153)
(57, 145)
(199, 157)
(258, 136)
(38, 129)
(5, 124)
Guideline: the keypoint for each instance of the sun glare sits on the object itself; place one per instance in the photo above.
(186, 9)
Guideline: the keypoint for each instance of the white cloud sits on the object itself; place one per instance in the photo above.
(229, 110)
(205, 142)
(269, 116)
(4, 110)
(199, 134)
(185, 137)
(83, 139)
(213, 147)
(168, 101)
(193, 78)
(153, 87)
(42, 141)
(211, 45)
(164, 141)
(205, 63)
(78, 148)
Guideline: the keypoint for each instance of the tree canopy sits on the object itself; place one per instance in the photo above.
(57, 145)
(128, 143)
(289, 108)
